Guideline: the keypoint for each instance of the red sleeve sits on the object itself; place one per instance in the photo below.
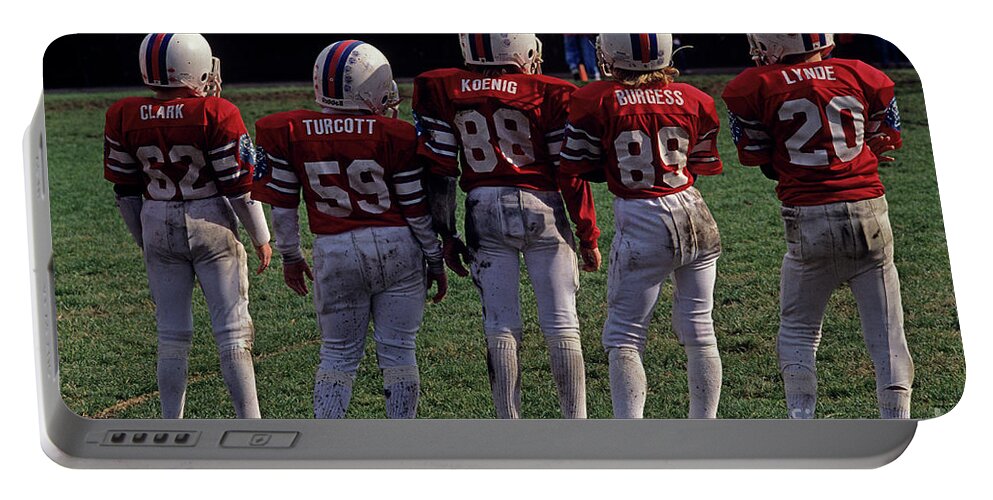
(119, 166)
(406, 171)
(883, 115)
(435, 134)
(229, 149)
(704, 159)
(276, 182)
(576, 193)
(750, 135)
(582, 151)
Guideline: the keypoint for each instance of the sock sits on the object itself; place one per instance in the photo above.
(505, 374)
(332, 393)
(569, 372)
(894, 402)
(628, 384)
(173, 360)
(703, 373)
(402, 387)
(801, 391)
(239, 375)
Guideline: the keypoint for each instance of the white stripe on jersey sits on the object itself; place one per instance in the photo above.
(407, 188)
(232, 176)
(435, 121)
(397, 177)
(708, 134)
(122, 170)
(703, 146)
(108, 139)
(226, 163)
(223, 148)
(440, 152)
(412, 202)
(589, 136)
(554, 148)
(277, 160)
(446, 138)
(580, 144)
(555, 132)
(582, 156)
(121, 157)
(282, 189)
(285, 175)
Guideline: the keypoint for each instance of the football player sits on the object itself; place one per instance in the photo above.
(819, 127)
(181, 164)
(506, 121)
(651, 137)
(361, 181)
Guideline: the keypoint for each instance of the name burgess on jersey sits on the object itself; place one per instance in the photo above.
(649, 96)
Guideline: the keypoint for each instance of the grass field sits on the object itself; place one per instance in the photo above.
(107, 329)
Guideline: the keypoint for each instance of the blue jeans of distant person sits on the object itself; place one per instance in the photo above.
(581, 49)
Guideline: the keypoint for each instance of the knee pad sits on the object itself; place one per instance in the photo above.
(235, 339)
(395, 356)
(173, 349)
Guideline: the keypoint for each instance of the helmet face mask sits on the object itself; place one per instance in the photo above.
(773, 48)
(640, 52)
(521, 50)
(179, 60)
(352, 75)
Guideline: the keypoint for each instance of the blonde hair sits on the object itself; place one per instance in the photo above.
(632, 78)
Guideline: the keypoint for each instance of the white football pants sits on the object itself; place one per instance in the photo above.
(828, 245)
(371, 273)
(502, 223)
(656, 238)
(184, 242)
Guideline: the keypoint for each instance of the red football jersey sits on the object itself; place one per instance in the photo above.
(508, 130)
(651, 141)
(180, 149)
(355, 170)
(811, 122)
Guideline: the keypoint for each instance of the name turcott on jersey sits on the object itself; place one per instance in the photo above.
(327, 126)
(497, 84)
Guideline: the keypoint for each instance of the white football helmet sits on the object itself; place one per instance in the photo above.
(522, 50)
(771, 48)
(353, 75)
(633, 51)
(178, 60)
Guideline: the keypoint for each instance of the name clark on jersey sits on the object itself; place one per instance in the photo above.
(156, 112)
(649, 96)
(339, 126)
(498, 84)
(815, 73)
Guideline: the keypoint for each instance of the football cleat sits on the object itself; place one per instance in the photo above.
(354, 75)
(771, 48)
(178, 60)
(522, 50)
(633, 51)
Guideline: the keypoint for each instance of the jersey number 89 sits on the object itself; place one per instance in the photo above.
(636, 157)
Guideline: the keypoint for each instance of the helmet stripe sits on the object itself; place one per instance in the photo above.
(478, 51)
(152, 58)
(645, 49)
(163, 67)
(487, 47)
(636, 51)
(653, 41)
(334, 67)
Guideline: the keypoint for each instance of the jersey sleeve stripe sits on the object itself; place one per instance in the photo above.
(707, 134)
(123, 170)
(440, 151)
(433, 121)
(232, 176)
(576, 144)
(408, 188)
(285, 175)
(283, 190)
(223, 148)
(554, 148)
(439, 137)
(412, 202)
(554, 133)
(108, 139)
(226, 163)
(579, 156)
(703, 147)
(569, 128)
(276, 160)
(412, 174)
(121, 157)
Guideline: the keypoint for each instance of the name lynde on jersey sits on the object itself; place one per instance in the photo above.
(649, 96)
(325, 126)
(156, 112)
(498, 84)
(814, 73)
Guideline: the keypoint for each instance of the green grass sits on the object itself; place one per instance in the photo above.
(107, 328)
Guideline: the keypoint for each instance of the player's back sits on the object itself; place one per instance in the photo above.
(645, 137)
(178, 149)
(811, 122)
(355, 170)
(507, 127)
